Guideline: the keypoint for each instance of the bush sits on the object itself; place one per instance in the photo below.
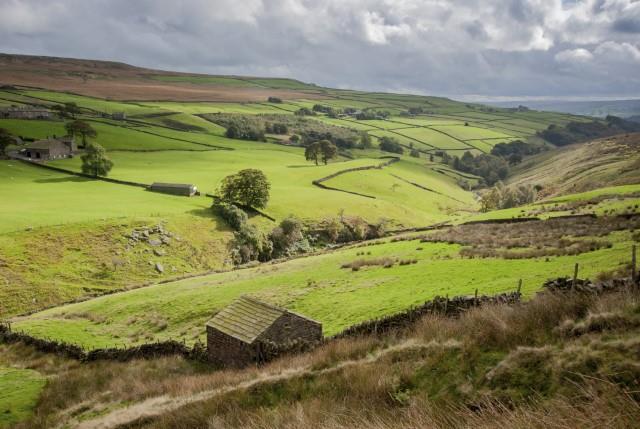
(274, 100)
(232, 214)
(389, 144)
(250, 244)
(304, 111)
(288, 238)
(505, 197)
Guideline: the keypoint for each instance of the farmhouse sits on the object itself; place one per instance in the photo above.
(242, 332)
(55, 148)
(184, 189)
(27, 112)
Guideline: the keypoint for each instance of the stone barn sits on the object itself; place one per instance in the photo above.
(183, 189)
(44, 150)
(241, 333)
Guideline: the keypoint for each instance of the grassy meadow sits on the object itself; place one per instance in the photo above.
(19, 394)
(63, 238)
(316, 286)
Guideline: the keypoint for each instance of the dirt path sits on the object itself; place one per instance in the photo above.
(159, 405)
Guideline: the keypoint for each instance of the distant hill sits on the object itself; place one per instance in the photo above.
(119, 81)
(583, 167)
(622, 108)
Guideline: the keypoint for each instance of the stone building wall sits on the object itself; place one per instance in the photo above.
(228, 351)
(291, 327)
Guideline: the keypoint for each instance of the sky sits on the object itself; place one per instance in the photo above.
(465, 49)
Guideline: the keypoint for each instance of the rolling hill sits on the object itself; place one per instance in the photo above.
(105, 263)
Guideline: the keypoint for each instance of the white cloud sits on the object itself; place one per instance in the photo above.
(618, 52)
(578, 55)
(500, 47)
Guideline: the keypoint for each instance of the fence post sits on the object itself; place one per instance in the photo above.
(475, 299)
(446, 305)
(575, 277)
(519, 288)
(634, 268)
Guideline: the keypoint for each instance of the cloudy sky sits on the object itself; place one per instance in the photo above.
(460, 48)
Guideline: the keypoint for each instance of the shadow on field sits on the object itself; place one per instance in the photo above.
(220, 225)
(63, 180)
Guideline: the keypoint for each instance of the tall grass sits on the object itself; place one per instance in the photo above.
(556, 361)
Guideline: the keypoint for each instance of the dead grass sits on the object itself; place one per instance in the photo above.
(496, 366)
(534, 239)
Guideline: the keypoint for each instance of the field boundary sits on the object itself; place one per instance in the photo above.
(419, 186)
(78, 174)
(319, 182)
(449, 307)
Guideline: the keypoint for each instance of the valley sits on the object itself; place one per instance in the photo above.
(393, 215)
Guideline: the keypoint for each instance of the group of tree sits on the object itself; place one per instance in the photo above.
(274, 100)
(245, 132)
(323, 150)
(577, 132)
(489, 167)
(250, 189)
(367, 115)
(67, 110)
(501, 196)
(515, 151)
(80, 129)
(304, 111)
(390, 144)
(276, 128)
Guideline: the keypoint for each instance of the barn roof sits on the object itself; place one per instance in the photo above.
(44, 144)
(172, 185)
(246, 318)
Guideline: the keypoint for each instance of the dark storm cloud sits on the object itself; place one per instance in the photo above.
(489, 47)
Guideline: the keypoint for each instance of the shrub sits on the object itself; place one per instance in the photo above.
(274, 100)
(232, 214)
(389, 144)
(288, 238)
(251, 244)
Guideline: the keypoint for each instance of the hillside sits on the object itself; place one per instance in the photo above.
(583, 167)
(558, 361)
(389, 220)
(183, 141)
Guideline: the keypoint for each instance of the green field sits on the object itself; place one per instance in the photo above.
(77, 228)
(315, 286)
(40, 197)
(18, 394)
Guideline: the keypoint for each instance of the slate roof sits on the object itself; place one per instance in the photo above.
(246, 318)
(46, 144)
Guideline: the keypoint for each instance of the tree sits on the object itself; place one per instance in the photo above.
(365, 141)
(415, 153)
(248, 187)
(82, 129)
(5, 141)
(328, 150)
(312, 152)
(95, 161)
(389, 144)
(323, 149)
